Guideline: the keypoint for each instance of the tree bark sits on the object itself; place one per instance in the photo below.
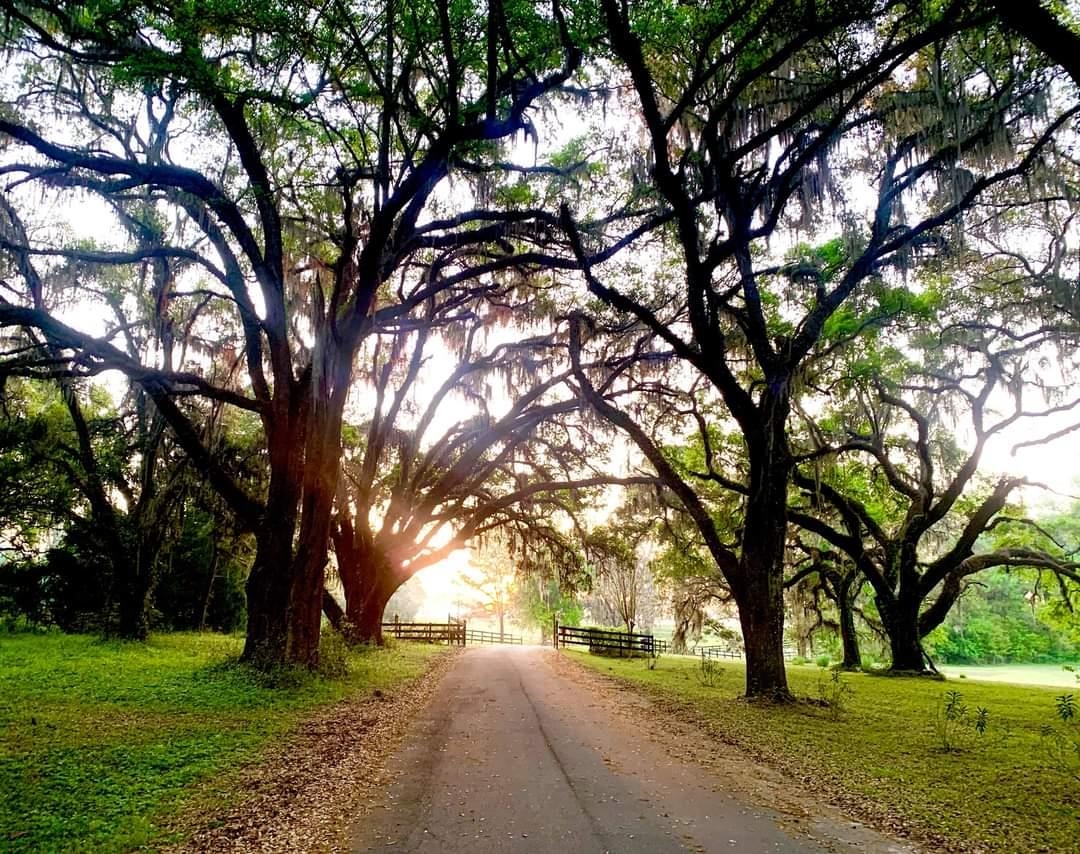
(365, 612)
(136, 580)
(900, 617)
(847, 591)
(334, 612)
(268, 590)
(759, 590)
(369, 580)
(761, 615)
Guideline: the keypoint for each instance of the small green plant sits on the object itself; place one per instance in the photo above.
(833, 691)
(333, 655)
(1062, 741)
(710, 671)
(956, 726)
(823, 660)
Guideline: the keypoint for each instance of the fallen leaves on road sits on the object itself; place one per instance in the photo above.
(305, 793)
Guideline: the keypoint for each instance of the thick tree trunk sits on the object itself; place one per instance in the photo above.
(849, 640)
(845, 601)
(269, 583)
(900, 617)
(759, 592)
(268, 589)
(285, 589)
(367, 618)
(369, 580)
(906, 650)
(761, 614)
(133, 596)
(332, 369)
(678, 638)
(305, 598)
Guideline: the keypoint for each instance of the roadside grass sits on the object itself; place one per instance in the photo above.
(880, 752)
(102, 742)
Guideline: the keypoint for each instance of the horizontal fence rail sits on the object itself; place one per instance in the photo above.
(449, 632)
(452, 632)
(726, 652)
(718, 652)
(605, 640)
(478, 636)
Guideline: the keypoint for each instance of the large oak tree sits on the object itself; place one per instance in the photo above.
(298, 155)
(882, 121)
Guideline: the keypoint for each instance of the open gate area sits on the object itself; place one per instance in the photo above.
(453, 632)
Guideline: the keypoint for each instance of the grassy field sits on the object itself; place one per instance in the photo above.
(881, 751)
(1051, 675)
(100, 742)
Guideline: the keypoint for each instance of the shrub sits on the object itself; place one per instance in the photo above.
(956, 728)
(1062, 741)
(333, 654)
(833, 692)
(710, 671)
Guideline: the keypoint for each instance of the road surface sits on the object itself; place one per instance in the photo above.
(512, 755)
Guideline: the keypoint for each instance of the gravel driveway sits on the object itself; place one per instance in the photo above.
(517, 752)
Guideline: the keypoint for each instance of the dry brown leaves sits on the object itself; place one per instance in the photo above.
(305, 792)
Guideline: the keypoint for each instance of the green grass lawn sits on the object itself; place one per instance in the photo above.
(1049, 675)
(101, 742)
(1001, 792)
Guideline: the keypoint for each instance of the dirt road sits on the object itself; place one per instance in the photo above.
(512, 754)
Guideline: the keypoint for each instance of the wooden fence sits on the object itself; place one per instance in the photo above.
(605, 640)
(725, 652)
(478, 636)
(718, 652)
(452, 632)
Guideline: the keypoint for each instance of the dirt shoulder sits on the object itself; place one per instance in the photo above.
(304, 793)
(805, 808)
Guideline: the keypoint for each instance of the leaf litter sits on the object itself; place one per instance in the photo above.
(305, 792)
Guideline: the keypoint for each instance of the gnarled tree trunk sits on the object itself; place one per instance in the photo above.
(368, 578)
(900, 617)
(846, 592)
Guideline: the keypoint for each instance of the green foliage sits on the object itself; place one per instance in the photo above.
(833, 690)
(996, 798)
(995, 622)
(333, 654)
(709, 672)
(955, 727)
(103, 742)
(1061, 742)
(538, 602)
(200, 584)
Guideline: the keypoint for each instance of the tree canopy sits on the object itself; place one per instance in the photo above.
(392, 277)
